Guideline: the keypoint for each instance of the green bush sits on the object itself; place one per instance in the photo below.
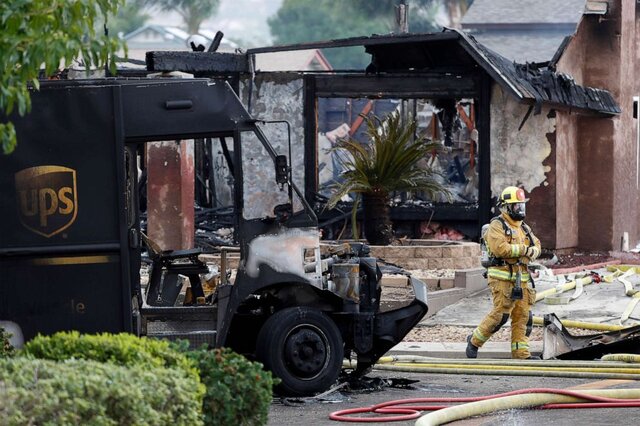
(238, 392)
(43, 392)
(121, 349)
(6, 349)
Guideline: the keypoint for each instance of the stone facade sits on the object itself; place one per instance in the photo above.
(443, 255)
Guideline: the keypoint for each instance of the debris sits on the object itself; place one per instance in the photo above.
(560, 344)
(434, 230)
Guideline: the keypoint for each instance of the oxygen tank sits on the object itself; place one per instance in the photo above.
(485, 260)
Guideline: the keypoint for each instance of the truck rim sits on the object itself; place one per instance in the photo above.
(306, 351)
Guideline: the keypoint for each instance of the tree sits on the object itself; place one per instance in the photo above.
(393, 161)
(42, 34)
(129, 18)
(193, 12)
(299, 21)
(422, 13)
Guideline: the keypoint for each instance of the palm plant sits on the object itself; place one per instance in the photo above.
(393, 161)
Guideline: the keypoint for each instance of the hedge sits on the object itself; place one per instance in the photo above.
(43, 392)
(120, 349)
(239, 391)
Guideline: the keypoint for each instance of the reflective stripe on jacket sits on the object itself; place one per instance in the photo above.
(509, 248)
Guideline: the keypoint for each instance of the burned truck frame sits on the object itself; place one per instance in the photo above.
(71, 246)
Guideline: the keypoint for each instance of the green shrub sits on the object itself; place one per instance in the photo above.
(35, 391)
(238, 390)
(121, 349)
(6, 349)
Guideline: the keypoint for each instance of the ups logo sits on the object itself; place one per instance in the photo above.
(47, 198)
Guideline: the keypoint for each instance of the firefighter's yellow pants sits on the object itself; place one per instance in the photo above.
(503, 308)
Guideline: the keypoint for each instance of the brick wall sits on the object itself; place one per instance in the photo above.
(458, 255)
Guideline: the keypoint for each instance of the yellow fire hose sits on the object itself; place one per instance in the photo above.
(563, 287)
(613, 366)
(600, 374)
(459, 412)
(611, 363)
(620, 273)
(622, 357)
(584, 325)
(546, 368)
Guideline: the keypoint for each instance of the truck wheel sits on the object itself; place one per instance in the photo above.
(303, 347)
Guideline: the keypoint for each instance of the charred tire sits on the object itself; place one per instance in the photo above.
(303, 347)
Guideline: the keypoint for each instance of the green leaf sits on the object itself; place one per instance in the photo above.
(46, 34)
(7, 137)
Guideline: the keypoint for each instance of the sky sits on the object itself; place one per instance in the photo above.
(239, 20)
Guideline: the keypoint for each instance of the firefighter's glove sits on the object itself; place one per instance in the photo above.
(532, 252)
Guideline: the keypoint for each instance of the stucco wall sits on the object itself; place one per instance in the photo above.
(625, 141)
(568, 141)
(587, 168)
(603, 53)
(524, 158)
(566, 172)
(275, 96)
(517, 156)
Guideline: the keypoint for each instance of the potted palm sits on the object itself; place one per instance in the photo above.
(394, 160)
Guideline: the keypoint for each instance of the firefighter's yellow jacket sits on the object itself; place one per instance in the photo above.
(510, 248)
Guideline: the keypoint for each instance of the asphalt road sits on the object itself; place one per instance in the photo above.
(314, 412)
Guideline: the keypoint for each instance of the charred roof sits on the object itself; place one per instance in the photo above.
(450, 51)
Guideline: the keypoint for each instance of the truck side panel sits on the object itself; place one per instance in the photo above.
(63, 245)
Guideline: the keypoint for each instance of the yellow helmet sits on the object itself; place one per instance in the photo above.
(512, 202)
(512, 194)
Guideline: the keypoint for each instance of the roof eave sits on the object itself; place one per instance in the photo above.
(572, 108)
(487, 65)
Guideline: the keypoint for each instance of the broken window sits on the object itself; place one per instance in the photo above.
(259, 178)
(449, 122)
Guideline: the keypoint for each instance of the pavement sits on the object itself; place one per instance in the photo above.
(451, 350)
(602, 303)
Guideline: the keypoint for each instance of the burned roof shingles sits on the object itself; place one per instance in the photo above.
(544, 85)
(416, 52)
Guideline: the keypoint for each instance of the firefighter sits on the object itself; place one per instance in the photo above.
(511, 246)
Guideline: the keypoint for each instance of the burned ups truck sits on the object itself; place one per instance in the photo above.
(71, 245)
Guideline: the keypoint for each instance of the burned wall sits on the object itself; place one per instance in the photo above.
(521, 155)
(272, 96)
(517, 155)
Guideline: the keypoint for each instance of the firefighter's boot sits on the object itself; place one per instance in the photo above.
(472, 350)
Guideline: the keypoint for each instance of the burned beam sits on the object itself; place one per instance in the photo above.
(197, 62)
(374, 40)
(440, 211)
(396, 85)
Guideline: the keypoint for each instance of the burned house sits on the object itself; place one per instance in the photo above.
(591, 170)
(562, 130)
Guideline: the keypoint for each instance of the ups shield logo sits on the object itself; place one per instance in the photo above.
(47, 198)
